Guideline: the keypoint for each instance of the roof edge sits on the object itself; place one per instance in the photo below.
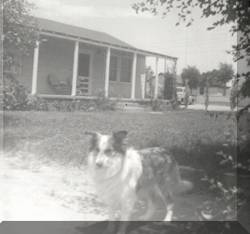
(101, 43)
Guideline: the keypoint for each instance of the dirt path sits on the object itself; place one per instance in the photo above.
(32, 191)
(42, 191)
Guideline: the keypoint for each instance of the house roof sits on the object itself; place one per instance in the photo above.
(54, 26)
(93, 36)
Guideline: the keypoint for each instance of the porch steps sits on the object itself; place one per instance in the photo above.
(132, 107)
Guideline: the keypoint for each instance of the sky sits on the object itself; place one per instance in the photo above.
(194, 46)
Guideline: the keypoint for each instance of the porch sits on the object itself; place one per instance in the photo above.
(69, 67)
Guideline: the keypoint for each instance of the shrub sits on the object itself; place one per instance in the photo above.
(103, 103)
(15, 96)
(160, 105)
(224, 184)
(64, 105)
(36, 103)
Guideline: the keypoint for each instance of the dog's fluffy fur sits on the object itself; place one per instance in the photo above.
(123, 176)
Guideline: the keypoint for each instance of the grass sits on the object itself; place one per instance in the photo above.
(59, 136)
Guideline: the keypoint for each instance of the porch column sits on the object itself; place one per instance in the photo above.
(75, 68)
(35, 69)
(156, 78)
(165, 65)
(106, 87)
(133, 78)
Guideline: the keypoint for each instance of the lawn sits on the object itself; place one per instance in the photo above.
(59, 136)
(46, 152)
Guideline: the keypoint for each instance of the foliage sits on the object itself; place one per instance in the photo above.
(245, 88)
(14, 95)
(225, 73)
(19, 36)
(36, 103)
(209, 78)
(161, 105)
(191, 75)
(19, 29)
(235, 13)
(67, 105)
(103, 103)
(217, 77)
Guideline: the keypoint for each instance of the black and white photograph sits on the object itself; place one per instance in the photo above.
(125, 117)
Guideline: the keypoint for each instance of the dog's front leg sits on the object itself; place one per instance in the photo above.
(169, 214)
(112, 222)
(111, 227)
(126, 212)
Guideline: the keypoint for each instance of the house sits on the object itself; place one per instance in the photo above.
(74, 62)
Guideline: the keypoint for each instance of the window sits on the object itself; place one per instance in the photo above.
(113, 69)
(126, 66)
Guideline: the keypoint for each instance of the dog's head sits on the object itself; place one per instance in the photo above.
(106, 150)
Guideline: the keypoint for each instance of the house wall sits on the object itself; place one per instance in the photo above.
(56, 59)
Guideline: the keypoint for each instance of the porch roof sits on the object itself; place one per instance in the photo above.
(91, 36)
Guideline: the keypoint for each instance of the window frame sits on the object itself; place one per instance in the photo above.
(130, 69)
(119, 69)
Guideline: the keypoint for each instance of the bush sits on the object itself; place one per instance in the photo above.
(15, 96)
(36, 103)
(160, 105)
(103, 103)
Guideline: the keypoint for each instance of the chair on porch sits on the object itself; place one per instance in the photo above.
(59, 86)
(83, 86)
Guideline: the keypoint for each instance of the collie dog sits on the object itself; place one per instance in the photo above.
(123, 176)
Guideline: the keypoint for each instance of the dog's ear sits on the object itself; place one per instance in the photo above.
(120, 136)
(94, 138)
(120, 141)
